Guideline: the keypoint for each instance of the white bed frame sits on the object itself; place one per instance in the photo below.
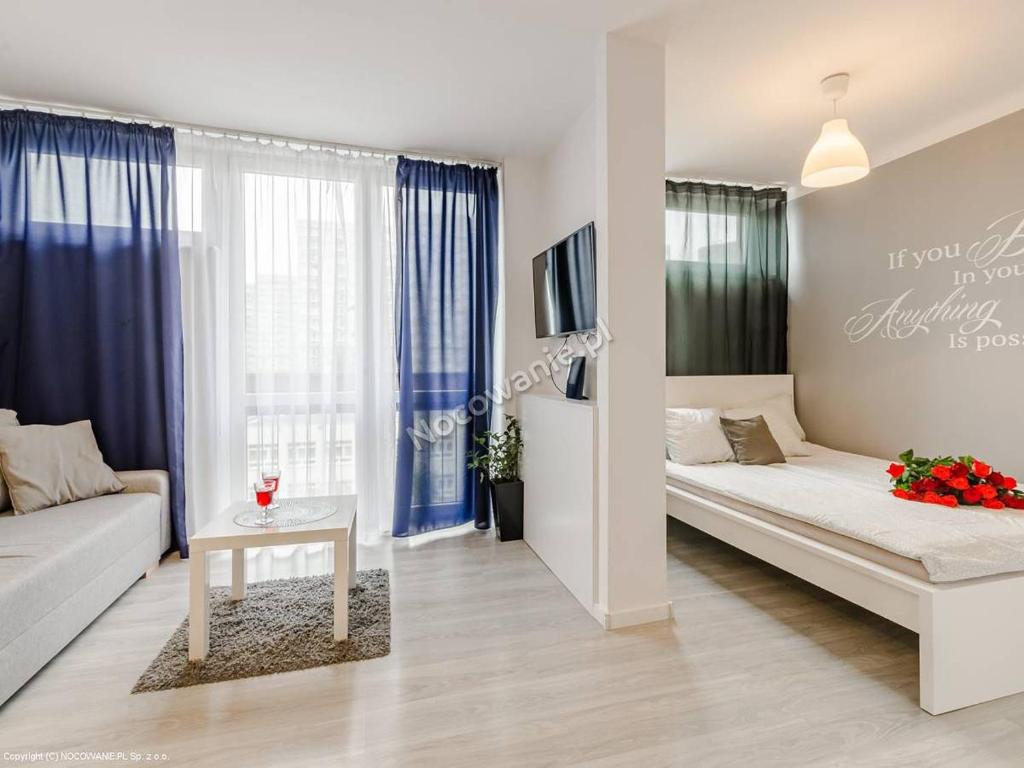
(971, 632)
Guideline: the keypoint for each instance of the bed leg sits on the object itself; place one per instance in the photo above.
(970, 644)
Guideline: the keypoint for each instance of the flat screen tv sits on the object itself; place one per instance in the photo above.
(565, 286)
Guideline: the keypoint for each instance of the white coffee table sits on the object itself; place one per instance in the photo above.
(223, 533)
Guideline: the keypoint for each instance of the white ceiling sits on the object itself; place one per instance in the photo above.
(477, 78)
(743, 100)
(494, 78)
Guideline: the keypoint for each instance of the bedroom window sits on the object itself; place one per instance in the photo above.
(702, 237)
(726, 271)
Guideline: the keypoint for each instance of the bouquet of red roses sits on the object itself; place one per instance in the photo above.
(952, 482)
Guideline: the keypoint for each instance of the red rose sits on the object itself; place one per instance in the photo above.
(899, 493)
(996, 479)
(981, 469)
(959, 483)
(895, 470)
(972, 495)
(942, 472)
(948, 501)
(1009, 483)
(931, 497)
(959, 469)
(1014, 502)
(988, 492)
(992, 504)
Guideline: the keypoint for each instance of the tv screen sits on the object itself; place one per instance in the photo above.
(565, 286)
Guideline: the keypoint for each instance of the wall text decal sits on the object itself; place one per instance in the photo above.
(972, 322)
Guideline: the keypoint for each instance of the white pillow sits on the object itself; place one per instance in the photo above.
(778, 424)
(784, 405)
(695, 436)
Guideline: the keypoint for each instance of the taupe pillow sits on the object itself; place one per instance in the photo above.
(7, 419)
(752, 441)
(45, 466)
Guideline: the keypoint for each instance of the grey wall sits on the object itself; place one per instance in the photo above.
(874, 379)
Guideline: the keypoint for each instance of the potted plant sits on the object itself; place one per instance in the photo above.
(497, 458)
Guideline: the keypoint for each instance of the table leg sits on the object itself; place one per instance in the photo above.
(237, 574)
(352, 541)
(198, 606)
(341, 570)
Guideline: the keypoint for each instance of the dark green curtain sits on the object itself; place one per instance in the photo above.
(727, 270)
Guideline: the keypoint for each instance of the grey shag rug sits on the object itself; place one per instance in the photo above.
(280, 626)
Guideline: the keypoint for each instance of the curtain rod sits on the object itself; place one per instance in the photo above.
(7, 102)
(752, 184)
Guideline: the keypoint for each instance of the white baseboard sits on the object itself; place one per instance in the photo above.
(632, 616)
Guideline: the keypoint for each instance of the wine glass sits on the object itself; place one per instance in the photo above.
(264, 495)
(272, 477)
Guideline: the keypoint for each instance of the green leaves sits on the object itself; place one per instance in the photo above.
(921, 466)
(917, 468)
(499, 453)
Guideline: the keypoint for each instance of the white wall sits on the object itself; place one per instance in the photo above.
(570, 178)
(524, 237)
(545, 199)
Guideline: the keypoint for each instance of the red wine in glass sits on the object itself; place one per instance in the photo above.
(264, 495)
(272, 478)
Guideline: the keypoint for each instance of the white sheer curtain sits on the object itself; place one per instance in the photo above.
(287, 298)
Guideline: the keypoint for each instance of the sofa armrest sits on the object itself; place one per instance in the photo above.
(155, 481)
(147, 481)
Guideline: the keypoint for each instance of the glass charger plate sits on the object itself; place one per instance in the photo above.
(288, 514)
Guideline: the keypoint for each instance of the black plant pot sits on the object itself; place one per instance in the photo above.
(507, 500)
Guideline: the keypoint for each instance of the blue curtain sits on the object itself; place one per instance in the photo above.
(446, 300)
(90, 302)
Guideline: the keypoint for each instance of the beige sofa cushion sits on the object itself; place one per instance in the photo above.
(48, 556)
(7, 419)
(49, 465)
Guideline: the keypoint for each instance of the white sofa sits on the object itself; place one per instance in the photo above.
(62, 567)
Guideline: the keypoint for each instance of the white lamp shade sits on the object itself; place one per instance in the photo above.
(837, 157)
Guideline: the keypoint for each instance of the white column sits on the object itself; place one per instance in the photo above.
(630, 146)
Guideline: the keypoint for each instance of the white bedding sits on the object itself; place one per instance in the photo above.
(849, 494)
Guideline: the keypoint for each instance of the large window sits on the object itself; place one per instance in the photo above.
(300, 330)
(287, 283)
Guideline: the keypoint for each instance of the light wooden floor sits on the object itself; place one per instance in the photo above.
(493, 663)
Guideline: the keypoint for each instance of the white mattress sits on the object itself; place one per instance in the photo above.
(849, 495)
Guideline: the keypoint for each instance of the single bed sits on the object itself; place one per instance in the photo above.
(954, 576)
